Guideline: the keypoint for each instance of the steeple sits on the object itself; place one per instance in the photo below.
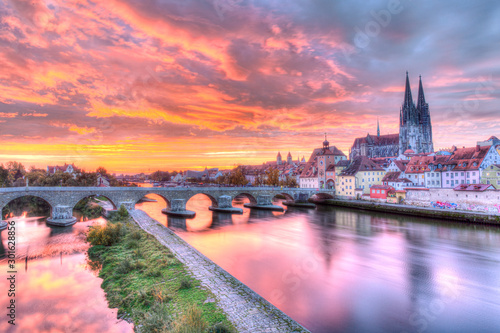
(408, 99)
(421, 98)
(378, 128)
(326, 144)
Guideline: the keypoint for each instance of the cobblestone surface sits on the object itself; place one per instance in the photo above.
(248, 311)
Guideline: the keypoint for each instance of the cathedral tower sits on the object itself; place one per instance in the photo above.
(415, 131)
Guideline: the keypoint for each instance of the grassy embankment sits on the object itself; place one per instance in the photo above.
(147, 284)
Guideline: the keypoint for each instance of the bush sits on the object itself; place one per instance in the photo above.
(106, 235)
(136, 234)
(157, 319)
(219, 328)
(121, 214)
(185, 283)
(191, 322)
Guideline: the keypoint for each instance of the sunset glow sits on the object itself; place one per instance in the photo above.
(137, 86)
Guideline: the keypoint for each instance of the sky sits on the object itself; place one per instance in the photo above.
(143, 85)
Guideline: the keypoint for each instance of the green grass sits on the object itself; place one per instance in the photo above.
(148, 285)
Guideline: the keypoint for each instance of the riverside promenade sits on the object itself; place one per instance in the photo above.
(430, 212)
(248, 311)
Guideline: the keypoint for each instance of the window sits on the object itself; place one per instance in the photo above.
(474, 173)
(447, 182)
(383, 191)
(462, 173)
(473, 181)
(378, 191)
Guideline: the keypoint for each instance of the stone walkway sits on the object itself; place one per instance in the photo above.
(248, 311)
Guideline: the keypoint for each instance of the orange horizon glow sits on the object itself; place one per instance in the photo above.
(139, 87)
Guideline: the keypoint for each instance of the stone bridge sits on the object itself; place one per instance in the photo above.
(62, 200)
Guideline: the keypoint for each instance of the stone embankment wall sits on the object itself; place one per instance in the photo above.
(430, 212)
(487, 201)
(248, 311)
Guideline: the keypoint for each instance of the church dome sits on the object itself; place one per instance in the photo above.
(409, 151)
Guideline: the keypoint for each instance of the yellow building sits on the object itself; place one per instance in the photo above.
(362, 173)
(491, 175)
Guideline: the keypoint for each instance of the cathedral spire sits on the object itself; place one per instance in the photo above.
(421, 97)
(408, 99)
(378, 128)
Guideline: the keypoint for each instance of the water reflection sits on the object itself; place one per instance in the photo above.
(350, 271)
(57, 292)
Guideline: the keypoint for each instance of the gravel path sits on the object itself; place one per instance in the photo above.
(248, 311)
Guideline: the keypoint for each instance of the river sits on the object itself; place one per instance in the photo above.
(56, 289)
(332, 270)
(343, 270)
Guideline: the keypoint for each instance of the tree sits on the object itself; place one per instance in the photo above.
(4, 177)
(160, 176)
(259, 180)
(273, 177)
(289, 182)
(102, 171)
(237, 176)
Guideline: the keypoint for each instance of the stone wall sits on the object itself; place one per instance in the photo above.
(487, 201)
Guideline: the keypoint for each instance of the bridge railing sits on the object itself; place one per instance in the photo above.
(167, 189)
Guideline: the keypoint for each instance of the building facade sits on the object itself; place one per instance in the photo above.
(415, 131)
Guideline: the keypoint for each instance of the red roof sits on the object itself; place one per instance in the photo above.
(360, 163)
(382, 187)
(474, 187)
(383, 140)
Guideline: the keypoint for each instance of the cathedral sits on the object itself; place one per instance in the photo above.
(415, 131)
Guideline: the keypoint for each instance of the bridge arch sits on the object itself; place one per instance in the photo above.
(214, 201)
(322, 196)
(164, 198)
(249, 196)
(85, 196)
(287, 196)
(24, 195)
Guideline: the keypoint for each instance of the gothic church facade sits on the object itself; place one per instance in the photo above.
(415, 131)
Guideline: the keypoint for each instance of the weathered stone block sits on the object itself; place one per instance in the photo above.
(178, 205)
(264, 200)
(62, 212)
(225, 201)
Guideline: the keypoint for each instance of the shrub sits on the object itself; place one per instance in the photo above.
(185, 283)
(105, 235)
(219, 328)
(157, 319)
(136, 234)
(132, 244)
(191, 322)
(121, 214)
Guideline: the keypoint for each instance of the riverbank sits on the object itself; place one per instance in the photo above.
(148, 285)
(435, 213)
(246, 310)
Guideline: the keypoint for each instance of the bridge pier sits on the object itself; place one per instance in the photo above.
(264, 202)
(178, 208)
(224, 204)
(129, 205)
(62, 216)
(300, 201)
(3, 224)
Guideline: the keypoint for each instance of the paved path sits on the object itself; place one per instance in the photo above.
(248, 311)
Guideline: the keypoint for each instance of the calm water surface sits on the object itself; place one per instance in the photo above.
(56, 290)
(340, 270)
